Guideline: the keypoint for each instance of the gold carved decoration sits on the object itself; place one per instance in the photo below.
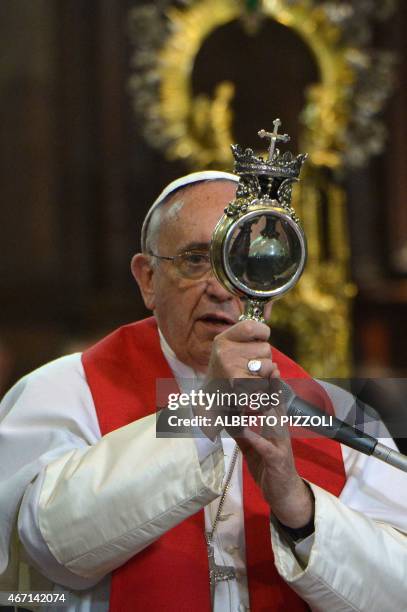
(338, 129)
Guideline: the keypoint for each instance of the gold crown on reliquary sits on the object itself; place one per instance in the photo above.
(270, 178)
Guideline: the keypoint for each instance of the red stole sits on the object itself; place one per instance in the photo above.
(172, 573)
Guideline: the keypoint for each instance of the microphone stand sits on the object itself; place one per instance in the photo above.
(342, 432)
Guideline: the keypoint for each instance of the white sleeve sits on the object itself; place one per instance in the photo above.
(355, 563)
(358, 558)
(83, 510)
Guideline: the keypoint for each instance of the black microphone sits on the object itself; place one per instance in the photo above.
(339, 430)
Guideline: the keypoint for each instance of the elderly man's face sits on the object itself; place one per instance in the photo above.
(190, 313)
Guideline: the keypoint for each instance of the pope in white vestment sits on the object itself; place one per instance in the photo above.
(52, 454)
(356, 560)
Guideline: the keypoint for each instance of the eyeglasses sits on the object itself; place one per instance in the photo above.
(190, 264)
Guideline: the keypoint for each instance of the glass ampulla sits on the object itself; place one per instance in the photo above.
(264, 253)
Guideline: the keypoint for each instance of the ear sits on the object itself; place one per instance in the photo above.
(143, 272)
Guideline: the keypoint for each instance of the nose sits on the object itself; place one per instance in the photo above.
(216, 291)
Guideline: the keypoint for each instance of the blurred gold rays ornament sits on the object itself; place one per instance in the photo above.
(338, 128)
